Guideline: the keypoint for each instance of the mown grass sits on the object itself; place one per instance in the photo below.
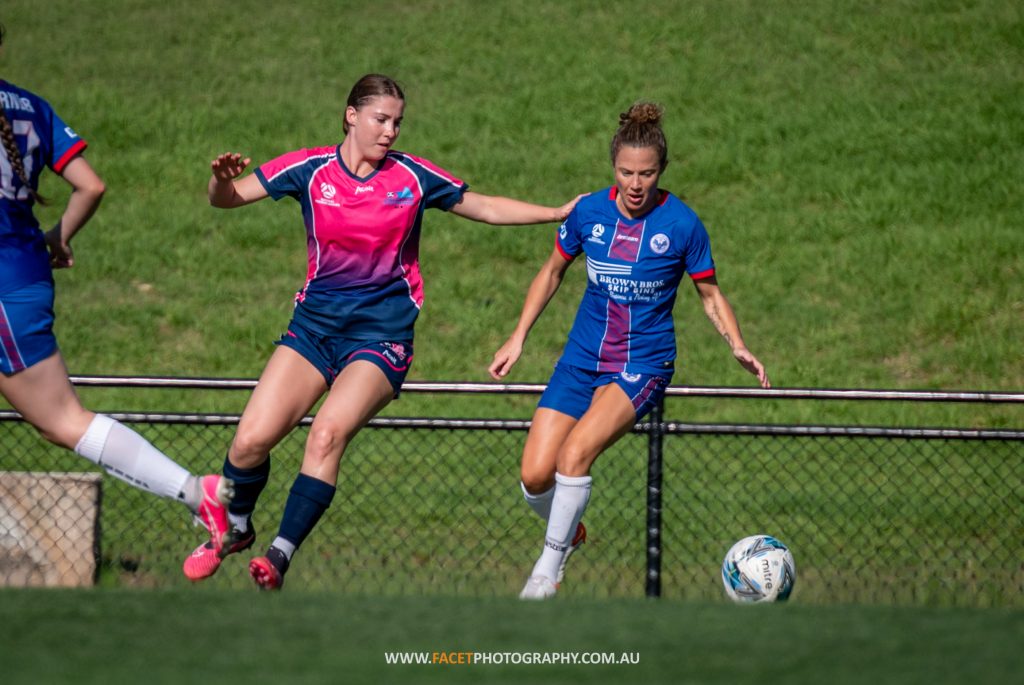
(178, 636)
(858, 169)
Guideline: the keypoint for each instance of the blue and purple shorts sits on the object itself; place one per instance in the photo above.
(571, 389)
(26, 327)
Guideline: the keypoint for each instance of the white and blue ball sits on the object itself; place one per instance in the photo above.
(758, 568)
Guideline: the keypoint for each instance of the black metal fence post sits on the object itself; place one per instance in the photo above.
(654, 470)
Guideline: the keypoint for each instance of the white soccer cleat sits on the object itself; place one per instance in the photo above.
(538, 588)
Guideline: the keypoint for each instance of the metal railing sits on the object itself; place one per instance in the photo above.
(432, 505)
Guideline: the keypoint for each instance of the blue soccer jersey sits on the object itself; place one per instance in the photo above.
(43, 141)
(363, 277)
(634, 266)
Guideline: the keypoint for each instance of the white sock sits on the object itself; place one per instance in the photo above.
(541, 503)
(285, 546)
(130, 457)
(567, 506)
(239, 522)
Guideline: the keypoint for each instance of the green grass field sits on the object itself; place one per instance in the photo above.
(859, 169)
(232, 637)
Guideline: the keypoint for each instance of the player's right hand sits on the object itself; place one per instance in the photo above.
(228, 166)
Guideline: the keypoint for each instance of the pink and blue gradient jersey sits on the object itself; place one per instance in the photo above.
(363, 234)
(44, 140)
(624, 323)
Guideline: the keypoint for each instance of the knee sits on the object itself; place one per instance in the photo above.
(574, 460)
(68, 430)
(325, 443)
(537, 480)
(249, 449)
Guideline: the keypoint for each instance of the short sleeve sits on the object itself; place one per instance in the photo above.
(284, 176)
(697, 257)
(568, 241)
(61, 143)
(441, 190)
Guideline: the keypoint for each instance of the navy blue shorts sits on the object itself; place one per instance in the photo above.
(571, 389)
(26, 327)
(330, 354)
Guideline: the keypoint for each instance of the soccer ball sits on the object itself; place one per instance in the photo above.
(758, 568)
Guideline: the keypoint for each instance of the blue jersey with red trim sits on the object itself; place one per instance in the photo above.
(363, 277)
(44, 140)
(634, 266)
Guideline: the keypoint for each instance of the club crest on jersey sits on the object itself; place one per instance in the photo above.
(660, 243)
(630, 377)
(403, 198)
(595, 234)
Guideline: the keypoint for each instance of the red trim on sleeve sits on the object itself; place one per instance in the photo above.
(568, 257)
(59, 165)
(702, 274)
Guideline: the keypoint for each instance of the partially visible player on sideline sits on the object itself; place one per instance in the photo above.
(33, 377)
(638, 241)
(351, 334)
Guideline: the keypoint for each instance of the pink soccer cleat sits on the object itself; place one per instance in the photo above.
(218, 492)
(205, 560)
(265, 574)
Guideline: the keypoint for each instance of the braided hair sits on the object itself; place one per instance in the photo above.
(10, 146)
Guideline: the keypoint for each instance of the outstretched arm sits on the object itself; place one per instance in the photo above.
(86, 192)
(225, 191)
(719, 311)
(494, 209)
(542, 289)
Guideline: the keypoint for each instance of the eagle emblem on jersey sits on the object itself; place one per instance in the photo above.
(660, 243)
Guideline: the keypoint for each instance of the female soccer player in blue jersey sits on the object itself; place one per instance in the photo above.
(638, 241)
(351, 335)
(33, 377)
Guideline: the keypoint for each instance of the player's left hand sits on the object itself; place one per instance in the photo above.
(61, 255)
(749, 362)
(563, 211)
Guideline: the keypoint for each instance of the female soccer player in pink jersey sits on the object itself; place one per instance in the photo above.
(638, 241)
(351, 335)
(33, 376)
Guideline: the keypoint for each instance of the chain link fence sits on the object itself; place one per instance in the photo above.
(433, 506)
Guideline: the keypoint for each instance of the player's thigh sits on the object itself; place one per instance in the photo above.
(44, 396)
(287, 389)
(548, 431)
(360, 391)
(610, 416)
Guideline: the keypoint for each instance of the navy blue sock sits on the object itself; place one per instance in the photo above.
(307, 501)
(249, 483)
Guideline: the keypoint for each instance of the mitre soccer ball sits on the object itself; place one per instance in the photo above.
(758, 568)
